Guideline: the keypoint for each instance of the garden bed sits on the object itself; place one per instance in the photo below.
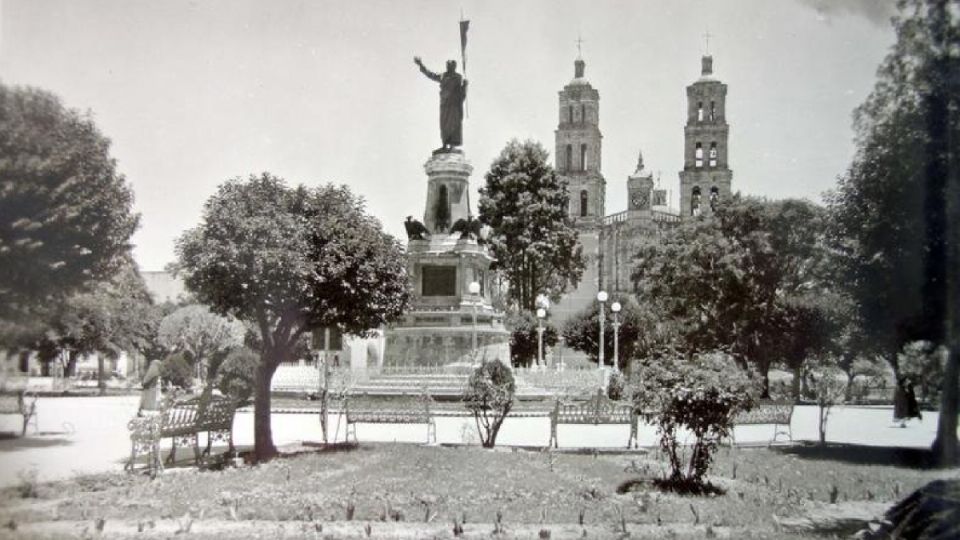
(410, 491)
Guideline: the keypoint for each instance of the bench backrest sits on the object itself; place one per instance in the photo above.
(179, 418)
(414, 409)
(766, 412)
(598, 410)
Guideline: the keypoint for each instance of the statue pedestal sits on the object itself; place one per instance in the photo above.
(439, 329)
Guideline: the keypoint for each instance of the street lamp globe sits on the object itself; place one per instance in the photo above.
(602, 296)
(615, 307)
(474, 287)
(541, 313)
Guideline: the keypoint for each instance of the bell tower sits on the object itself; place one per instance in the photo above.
(706, 175)
(578, 144)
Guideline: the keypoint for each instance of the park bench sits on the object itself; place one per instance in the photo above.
(182, 421)
(20, 402)
(408, 409)
(597, 410)
(778, 414)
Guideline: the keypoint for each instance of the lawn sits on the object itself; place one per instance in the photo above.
(411, 491)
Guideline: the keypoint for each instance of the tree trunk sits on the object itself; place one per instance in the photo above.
(822, 426)
(101, 381)
(795, 384)
(71, 364)
(765, 393)
(945, 444)
(263, 448)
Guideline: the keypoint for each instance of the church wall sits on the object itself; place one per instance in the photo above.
(586, 291)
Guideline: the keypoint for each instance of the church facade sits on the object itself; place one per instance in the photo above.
(610, 241)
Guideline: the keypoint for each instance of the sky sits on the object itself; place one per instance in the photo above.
(193, 92)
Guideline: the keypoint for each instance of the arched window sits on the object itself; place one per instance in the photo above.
(713, 154)
(713, 111)
(698, 155)
(714, 198)
(695, 201)
(569, 163)
(583, 114)
(583, 157)
(699, 111)
(583, 203)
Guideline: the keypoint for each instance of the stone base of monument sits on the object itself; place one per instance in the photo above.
(450, 327)
(446, 349)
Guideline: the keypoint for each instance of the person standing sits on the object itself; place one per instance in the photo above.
(150, 395)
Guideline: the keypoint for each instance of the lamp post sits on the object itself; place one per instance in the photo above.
(615, 308)
(601, 297)
(541, 313)
(474, 289)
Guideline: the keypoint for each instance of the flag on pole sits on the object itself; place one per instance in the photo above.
(464, 26)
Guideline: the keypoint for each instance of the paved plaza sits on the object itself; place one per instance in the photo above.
(89, 434)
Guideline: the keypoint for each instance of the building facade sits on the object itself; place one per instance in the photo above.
(610, 241)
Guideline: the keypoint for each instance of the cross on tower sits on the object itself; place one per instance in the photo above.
(706, 37)
(579, 47)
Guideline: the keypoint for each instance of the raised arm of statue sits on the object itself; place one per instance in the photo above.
(430, 75)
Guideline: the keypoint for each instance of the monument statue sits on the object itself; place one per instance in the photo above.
(453, 91)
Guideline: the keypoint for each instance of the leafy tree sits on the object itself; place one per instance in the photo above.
(736, 281)
(524, 339)
(176, 371)
(205, 336)
(582, 332)
(525, 204)
(489, 396)
(236, 375)
(701, 394)
(67, 217)
(895, 213)
(113, 317)
(290, 260)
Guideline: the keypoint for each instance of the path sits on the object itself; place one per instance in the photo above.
(89, 435)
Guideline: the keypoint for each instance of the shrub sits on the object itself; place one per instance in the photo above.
(616, 386)
(176, 370)
(489, 396)
(237, 374)
(829, 388)
(700, 394)
(636, 334)
(523, 338)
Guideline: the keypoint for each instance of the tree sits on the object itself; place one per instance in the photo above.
(175, 370)
(733, 281)
(701, 394)
(896, 212)
(489, 396)
(113, 317)
(67, 217)
(829, 388)
(582, 332)
(288, 261)
(205, 336)
(524, 340)
(236, 376)
(525, 204)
